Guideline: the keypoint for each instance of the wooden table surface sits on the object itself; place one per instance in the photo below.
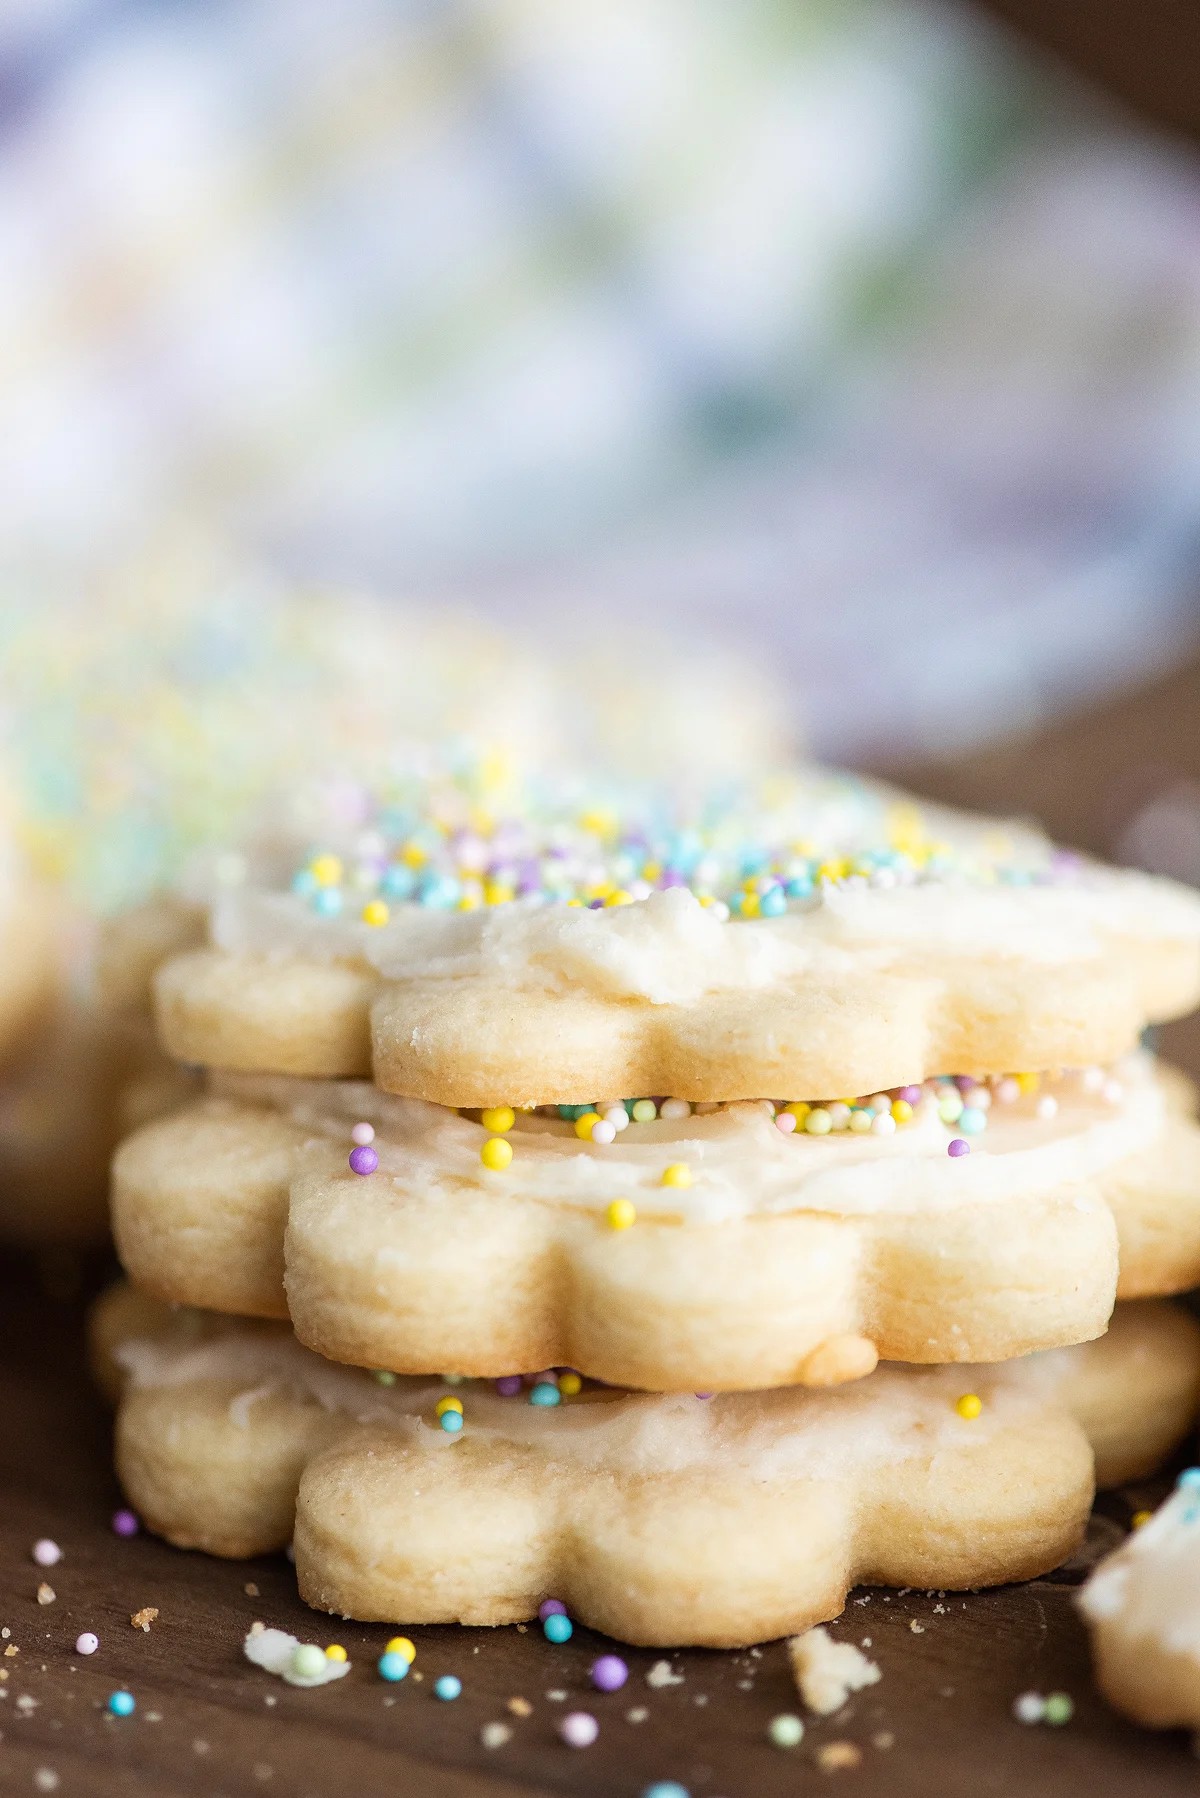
(938, 1724)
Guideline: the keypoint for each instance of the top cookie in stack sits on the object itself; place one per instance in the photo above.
(742, 1094)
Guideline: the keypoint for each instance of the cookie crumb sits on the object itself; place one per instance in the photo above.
(144, 1618)
(519, 1707)
(495, 1735)
(918, 1629)
(660, 1675)
(46, 1594)
(557, 1697)
(883, 1738)
(263, 1771)
(836, 1757)
(638, 1714)
(46, 1779)
(827, 1672)
(11, 1649)
(250, 1589)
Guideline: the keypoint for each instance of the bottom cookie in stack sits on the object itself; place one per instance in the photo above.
(661, 1520)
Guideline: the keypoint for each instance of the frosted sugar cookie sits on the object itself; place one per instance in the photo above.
(817, 935)
(1142, 1605)
(665, 1520)
(718, 1249)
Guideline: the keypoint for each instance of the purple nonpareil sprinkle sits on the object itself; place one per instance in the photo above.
(551, 1607)
(508, 1385)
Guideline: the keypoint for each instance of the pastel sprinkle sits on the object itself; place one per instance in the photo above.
(969, 1405)
(496, 1154)
(786, 1730)
(621, 1214)
(87, 1643)
(308, 1660)
(677, 1174)
(545, 1392)
(403, 1646)
(558, 1627)
(392, 1666)
(508, 1385)
(958, 1148)
(363, 1159)
(569, 1384)
(125, 1523)
(1029, 1707)
(665, 1788)
(47, 1553)
(335, 1652)
(122, 1704)
(451, 1422)
(551, 1607)
(579, 1729)
(449, 1686)
(448, 1404)
(1060, 1708)
(363, 1134)
(498, 1118)
(609, 1673)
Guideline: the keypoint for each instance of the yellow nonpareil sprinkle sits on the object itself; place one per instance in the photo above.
(498, 1118)
(375, 911)
(620, 1214)
(1140, 1519)
(678, 1174)
(969, 1405)
(402, 1645)
(413, 856)
(496, 1154)
(335, 1652)
(448, 1404)
(570, 1384)
(326, 870)
(586, 1124)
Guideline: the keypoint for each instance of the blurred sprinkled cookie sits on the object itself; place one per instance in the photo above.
(661, 1520)
(665, 1246)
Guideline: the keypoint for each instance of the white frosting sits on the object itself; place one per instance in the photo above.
(789, 1433)
(668, 949)
(1151, 1585)
(272, 1650)
(741, 1164)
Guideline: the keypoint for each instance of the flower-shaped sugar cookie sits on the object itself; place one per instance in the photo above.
(662, 1520)
(695, 1250)
(812, 935)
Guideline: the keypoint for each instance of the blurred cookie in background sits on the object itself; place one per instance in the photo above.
(188, 702)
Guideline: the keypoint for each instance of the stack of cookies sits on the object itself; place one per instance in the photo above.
(567, 1164)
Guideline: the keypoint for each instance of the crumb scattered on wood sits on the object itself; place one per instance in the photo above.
(660, 1675)
(495, 1735)
(638, 1714)
(250, 1589)
(11, 1650)
(46, 1594)
(144, 1618)
(827, 1672)
(834, 1757)
(519, 1707)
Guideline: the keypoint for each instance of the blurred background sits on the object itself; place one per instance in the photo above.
(857, 338)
